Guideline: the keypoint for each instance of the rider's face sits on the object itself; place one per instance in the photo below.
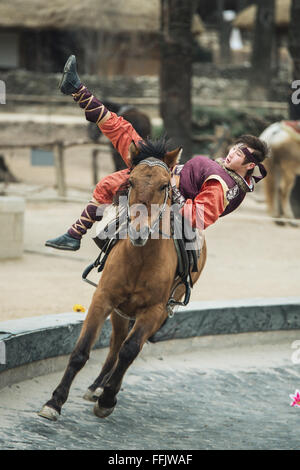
(235, 159)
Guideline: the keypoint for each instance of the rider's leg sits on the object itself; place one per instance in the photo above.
(70, 84)
(118, 130)
(102, 196)
(106, 188)
(72, 238)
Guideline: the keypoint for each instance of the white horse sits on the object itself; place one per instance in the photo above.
(283, 166)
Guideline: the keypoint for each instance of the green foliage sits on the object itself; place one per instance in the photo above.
(237, 120)
(157, 131)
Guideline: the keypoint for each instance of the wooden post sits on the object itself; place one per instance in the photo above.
(60, 169)
(95, 166)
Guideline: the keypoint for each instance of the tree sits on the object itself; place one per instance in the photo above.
(294, 49)
(176, 72)
(261, 60)
(294, 105)
(224, 28)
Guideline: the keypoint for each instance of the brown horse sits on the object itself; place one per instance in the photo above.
(283, 166)
(136, 284)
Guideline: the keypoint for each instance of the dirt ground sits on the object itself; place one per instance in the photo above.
(248, 255)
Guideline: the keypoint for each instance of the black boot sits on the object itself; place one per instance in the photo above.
(70, 81)
(64, 242)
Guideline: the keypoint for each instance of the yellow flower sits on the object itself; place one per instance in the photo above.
(78, 308)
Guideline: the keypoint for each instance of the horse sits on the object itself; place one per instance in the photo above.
(138, 278)
(283, 166)
(139, 120)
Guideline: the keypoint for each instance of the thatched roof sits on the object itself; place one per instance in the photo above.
(246, 18)
(105, 15)
(90, 14)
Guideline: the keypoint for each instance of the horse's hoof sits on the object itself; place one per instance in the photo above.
(92, 395)
(102, 412)
(294, 224)
(280, 223)
(49, 413)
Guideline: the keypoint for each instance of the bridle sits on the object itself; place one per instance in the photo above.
(155, 225)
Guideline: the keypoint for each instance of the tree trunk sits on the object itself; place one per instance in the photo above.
(294, 104)
(261, 61)
(294, 49)
(224, 34)
(176, 72)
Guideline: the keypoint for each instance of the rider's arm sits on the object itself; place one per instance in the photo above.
(120, 132)
(206, 207)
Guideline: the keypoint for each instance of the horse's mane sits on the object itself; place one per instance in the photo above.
(147, 148)
(151, 148)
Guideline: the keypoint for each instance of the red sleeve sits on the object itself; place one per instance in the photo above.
(206, 207)
(121, 133)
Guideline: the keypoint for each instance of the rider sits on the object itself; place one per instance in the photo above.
(219, 186)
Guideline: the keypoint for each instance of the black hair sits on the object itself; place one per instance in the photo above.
(151, 148)
(259, 146)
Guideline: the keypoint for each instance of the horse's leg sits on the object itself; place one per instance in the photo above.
(90, 331)
(277, 195)
(147, 323)
(286, 186)
(119, 332)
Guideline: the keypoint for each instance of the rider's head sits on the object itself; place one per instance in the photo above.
(247, 152)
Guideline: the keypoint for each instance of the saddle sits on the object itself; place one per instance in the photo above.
(186, 242)
(293, 128)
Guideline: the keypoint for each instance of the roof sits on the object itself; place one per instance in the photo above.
(104, 15)
(246, 18)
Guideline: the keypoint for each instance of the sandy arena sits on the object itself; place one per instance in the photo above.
(247, 257)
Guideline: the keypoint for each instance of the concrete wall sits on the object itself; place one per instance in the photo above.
(34, 346)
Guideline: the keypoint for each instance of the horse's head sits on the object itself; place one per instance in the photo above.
(149, 188)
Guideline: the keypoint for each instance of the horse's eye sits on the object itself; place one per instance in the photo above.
(164, 186)
(130, 183)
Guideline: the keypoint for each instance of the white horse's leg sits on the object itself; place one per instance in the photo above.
(286, 186)
(277, 199)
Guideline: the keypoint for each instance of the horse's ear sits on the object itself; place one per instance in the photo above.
(172, 158)
(133, 151)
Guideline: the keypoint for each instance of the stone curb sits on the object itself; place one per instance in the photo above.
(25, 341)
